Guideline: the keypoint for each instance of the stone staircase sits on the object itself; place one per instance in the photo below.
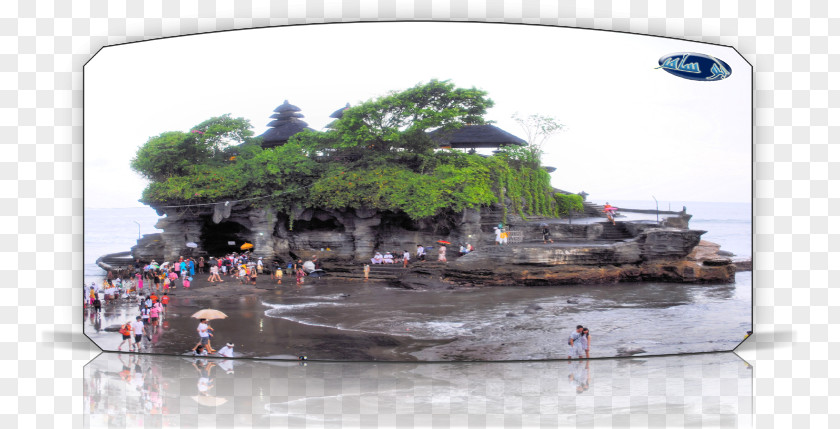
(617, 232)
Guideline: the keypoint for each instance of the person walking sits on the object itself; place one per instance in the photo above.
(125, 331)
(204, 334)
(406, 257)
(421, 253)
(201, 265)
(137, 327)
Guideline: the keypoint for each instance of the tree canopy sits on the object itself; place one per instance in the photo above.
(378, 155)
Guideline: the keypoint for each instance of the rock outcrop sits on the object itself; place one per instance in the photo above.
(583, 252)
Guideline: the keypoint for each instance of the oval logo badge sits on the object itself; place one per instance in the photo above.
(694, 66)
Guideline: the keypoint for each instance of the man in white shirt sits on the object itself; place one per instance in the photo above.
(203, 335)
(137, 326)
(226, 351)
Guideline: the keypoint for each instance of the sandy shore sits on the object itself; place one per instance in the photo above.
(247, 326)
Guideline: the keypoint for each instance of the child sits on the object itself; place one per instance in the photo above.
(187, 282)
(299, 276)
(278, 273)
(125, 331)
(164, 300)
(367, 271)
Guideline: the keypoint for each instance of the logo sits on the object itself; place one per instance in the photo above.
(694, 66)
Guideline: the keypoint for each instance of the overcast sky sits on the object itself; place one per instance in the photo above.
(632, 131)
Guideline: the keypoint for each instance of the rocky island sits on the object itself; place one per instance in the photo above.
(383, 178)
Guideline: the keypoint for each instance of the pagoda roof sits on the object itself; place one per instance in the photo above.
(476, 136)
(340, 112)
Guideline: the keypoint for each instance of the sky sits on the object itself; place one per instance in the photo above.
(632, 132)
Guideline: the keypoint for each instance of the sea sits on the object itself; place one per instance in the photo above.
(491, 324)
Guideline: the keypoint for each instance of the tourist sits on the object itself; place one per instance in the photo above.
(442, 253)
(184, 270)
(242, 274)
(546, 233)
(610, 211)
(504, 236)
(192, 266)
(145, 315)
(299, 276)
(498, 232)
(199, 350)
(226, 351)
(204, 334)
(462, 250)
(421, 253)
(587, 341)
(138, 327)
(253, 276)
(164, 301)
(367, 271)
(154, 313)
(278, 274)
(388, 258)
(176, 268)
(405, 258)
(173, 278)
(214, 274)
(377, 258)
(97, 304)
(125, 331)
(201, 265)
(576, 343)
(139, 278)
(317, 263)
(186, 282)
(259, 266)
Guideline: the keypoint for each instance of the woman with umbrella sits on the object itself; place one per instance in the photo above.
(546, 233)
(442, 251)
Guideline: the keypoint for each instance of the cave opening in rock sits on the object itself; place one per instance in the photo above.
(315, 224)
(215, 237)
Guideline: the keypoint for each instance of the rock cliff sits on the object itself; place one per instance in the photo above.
(585, 252)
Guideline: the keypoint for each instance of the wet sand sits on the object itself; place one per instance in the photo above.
(253, 333)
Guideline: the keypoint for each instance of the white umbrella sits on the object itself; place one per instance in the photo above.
(192, 244)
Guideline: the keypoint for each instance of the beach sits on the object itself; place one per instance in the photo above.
(335, 319)
(328, 319)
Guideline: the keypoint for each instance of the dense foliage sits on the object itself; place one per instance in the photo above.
(378, 155)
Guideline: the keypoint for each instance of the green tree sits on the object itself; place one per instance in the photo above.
(400, 120)
(174, 153)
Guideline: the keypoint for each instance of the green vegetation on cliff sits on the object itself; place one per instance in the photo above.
(378, 155)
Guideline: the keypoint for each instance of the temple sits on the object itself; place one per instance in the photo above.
(286, 123)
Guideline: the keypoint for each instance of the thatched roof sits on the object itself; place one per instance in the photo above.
(285, 115)
(286, 123)
(340, 112)
(476, 136)
(280, 134)
(286, 107)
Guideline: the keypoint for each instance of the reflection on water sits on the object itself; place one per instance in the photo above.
(167, 391)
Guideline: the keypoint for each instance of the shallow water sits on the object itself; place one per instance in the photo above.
(492, 323)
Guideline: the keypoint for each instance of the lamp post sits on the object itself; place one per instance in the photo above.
(657, 208)
(138, 229)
